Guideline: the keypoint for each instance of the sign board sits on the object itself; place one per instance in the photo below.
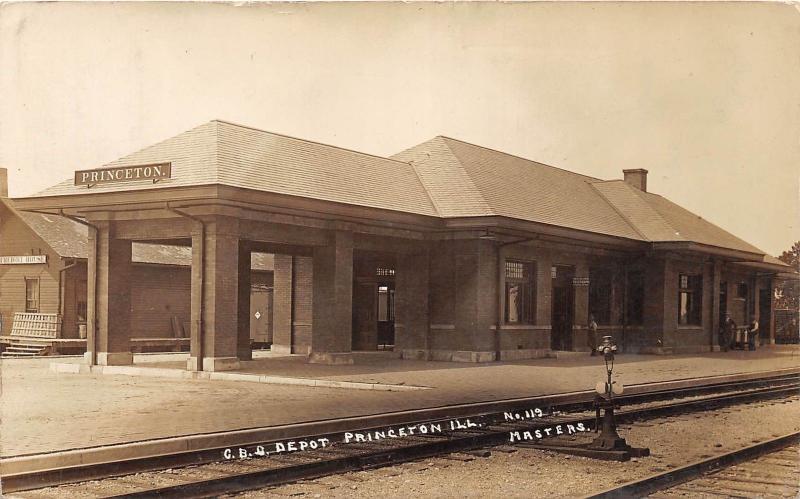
(154, 172)
(23, 259)
(580, 281)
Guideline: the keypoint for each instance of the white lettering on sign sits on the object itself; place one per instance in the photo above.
(23, 259)
(580, 281)
(144, 172)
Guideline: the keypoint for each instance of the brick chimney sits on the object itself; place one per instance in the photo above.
(3, 183)
(637, 178)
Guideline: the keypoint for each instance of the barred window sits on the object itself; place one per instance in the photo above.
(741, 290)
(519, 292)
(384, 272)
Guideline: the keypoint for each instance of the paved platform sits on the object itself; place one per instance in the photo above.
(44, 411)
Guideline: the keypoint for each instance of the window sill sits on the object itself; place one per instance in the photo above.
(522, 327)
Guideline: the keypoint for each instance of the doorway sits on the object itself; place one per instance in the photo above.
(563, 307)
(385, 315)
(261, 299)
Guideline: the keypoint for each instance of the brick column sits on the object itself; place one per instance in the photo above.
(716, 274)
(219, 301)
(411, 305)
(771, 325)
(109, 298)
(282, 305)
(196, 332)
(243, 350)
(580, 311)
(544, 292)
(332, 309)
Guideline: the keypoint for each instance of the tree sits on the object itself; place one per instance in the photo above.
(787, 292)
(792, 256)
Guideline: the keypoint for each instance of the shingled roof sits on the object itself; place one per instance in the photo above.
(224, 153)
(442, 177)
(468, 180)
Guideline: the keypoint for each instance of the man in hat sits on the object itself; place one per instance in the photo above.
(727, 332)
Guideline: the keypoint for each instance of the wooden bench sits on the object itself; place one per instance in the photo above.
(139, 345)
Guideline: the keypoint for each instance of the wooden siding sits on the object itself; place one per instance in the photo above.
(16, 238)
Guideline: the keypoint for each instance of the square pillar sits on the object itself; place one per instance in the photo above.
(215, 290)
(716, 274)
(770, 325)
(411, 307)
(332, 308)
(544, 292)
(243, 349)
(109, 298)
(580, 311)
(282, 315)
(196, 313)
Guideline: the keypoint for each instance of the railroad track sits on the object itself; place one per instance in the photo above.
(766, 469)
(483, 429)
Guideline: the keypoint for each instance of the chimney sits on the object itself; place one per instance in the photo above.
(637, 178)
(3, 183)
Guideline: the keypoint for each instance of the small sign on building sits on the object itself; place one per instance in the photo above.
(580, 281)
(154, 172)
(23, 259)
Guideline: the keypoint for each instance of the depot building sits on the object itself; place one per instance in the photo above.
(445, 251)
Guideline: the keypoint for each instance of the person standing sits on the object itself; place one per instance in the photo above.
(753, 336)
(592, 335)
(727, 333)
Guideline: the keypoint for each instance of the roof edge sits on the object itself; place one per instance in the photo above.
(520, 157)
(239, 125)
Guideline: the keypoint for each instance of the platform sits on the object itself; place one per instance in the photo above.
(44, 411)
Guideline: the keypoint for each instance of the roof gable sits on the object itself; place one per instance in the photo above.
(469, 180)
(224, 153)
(452, 191)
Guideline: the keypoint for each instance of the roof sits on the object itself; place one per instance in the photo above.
(468, 180)
(443, 177)
(222, 153)
(658, 219)
(69, 239)
(464, 179)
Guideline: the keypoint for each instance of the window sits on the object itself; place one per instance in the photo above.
(519, 292)
(31, 295)
(600, 295)
(690, 297)
(80, 301)
(384, 272)
(634, 302)
(741, 290)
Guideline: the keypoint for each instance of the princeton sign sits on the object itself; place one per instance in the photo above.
(154, 172)
(22, 260)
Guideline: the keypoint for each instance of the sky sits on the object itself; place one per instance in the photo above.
(706, 96)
